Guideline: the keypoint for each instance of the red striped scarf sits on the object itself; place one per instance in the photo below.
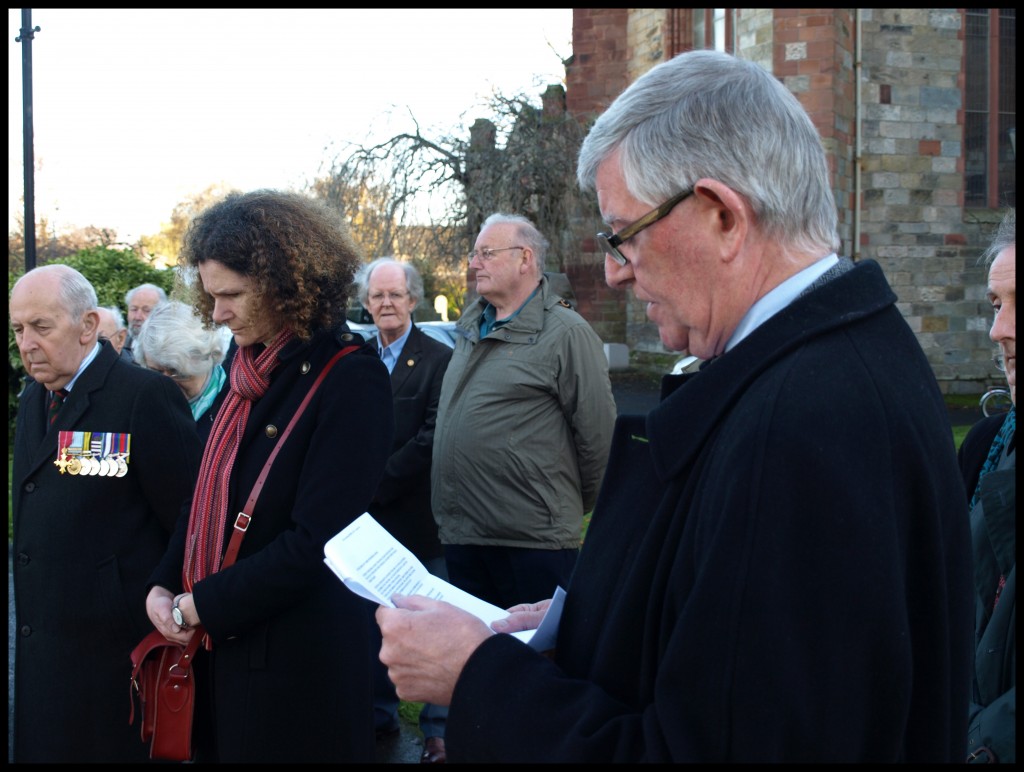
(250, 379)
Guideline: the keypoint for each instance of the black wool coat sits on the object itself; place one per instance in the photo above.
(777, 568)
(290, 681)
(402, 503)
(84, 546)
(993, 713)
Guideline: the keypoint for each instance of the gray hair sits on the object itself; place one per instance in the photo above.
(526, 232)
(75, 294)
(1005, 237)
(116, 315)
(413, 280)
(154, 288)
(174, 338)
(710, 114)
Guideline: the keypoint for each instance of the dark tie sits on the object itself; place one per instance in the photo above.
(56, 401)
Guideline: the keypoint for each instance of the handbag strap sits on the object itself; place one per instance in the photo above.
(245, 516)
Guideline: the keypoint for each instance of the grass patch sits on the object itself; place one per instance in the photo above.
(959, 432)
(409, 712)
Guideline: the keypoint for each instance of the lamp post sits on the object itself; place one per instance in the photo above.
(25, 38)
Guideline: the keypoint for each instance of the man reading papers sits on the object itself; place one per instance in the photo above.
(375, 565)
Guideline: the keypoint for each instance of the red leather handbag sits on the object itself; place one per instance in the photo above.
(162, 669)
(162, 679)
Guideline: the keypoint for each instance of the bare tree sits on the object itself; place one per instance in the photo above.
(52, 244)
(423, 198)
(162, 248)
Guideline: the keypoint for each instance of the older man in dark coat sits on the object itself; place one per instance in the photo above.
(96, 491)
(391, 290)
(778, 566)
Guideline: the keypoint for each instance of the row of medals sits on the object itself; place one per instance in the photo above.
(110, 466)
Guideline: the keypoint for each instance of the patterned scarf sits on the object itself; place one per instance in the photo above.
(995, 452)
(250, 379)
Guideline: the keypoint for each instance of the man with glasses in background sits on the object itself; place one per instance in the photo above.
(778, 566)
(391, 290)
(111, 327)
(523, 427)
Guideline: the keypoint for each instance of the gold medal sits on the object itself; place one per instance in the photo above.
(62, 460)
(74, 465)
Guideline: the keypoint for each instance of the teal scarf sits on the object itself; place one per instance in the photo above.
(202, 402)
(995, 452)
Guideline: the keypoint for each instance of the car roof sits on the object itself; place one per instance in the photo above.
(438, 330)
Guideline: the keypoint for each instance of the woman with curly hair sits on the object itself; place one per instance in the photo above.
(281, 675)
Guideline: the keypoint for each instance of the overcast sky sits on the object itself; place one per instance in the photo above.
(135, 110)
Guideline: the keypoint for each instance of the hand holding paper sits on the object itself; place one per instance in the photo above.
(376, 566)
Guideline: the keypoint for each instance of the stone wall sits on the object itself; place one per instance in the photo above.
(909, 213)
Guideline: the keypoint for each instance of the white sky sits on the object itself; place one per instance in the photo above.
(135, 110)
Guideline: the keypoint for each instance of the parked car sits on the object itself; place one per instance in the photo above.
(442, 331)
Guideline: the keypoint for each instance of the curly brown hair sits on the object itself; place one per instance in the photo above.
(298, 252)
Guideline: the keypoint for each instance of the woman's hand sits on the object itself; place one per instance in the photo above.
(159, 604)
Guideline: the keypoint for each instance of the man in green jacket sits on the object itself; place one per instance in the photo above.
(524, 425)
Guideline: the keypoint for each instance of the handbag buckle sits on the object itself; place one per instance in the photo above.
(242, 521)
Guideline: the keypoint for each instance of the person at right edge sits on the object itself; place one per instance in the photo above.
(282, 676)
(778, 565)
(988, 460)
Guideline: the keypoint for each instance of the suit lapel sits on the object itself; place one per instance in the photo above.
(411, 353)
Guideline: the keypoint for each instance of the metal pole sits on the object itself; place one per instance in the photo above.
(25, 38)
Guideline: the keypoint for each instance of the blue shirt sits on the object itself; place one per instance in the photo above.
(391, 352)
(779, 298)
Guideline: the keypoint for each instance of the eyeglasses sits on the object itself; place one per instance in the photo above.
(378, 297)
(487, 254)
(610, 243)
(1000, 362)
(169, 372)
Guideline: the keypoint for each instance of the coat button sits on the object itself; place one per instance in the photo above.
(29, 487)
(304, 368)
(271, 431)
(23, 559)
(25, 631)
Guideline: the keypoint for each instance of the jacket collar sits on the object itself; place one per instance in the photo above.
(694, 404)
(524, 327)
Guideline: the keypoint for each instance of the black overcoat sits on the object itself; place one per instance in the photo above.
(402, 503)
(993, 713)
(84, 546)
(289, 660)
(777, 568)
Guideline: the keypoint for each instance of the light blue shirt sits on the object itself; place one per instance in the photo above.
(391, 353)
(780, 297)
